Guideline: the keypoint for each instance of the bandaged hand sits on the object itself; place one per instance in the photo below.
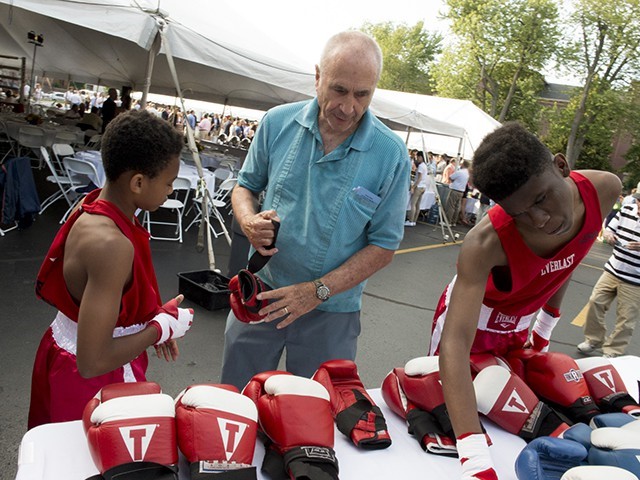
(172, 322)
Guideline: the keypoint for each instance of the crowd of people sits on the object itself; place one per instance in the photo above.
(449, 178)
(322, 197)
(95, 109)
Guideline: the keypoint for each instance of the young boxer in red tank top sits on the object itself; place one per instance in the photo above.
(517, 260)
(99, 275)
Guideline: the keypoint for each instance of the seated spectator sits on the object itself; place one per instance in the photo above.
(91, 121)
(73, 112)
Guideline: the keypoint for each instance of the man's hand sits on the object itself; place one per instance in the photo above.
(289, 303)
(260, 231)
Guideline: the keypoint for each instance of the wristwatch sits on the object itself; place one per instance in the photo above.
(322, 291)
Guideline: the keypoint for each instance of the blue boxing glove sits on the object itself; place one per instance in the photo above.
(618, 447)
(617, 419)
(548, 458)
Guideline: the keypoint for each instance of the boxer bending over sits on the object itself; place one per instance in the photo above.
(514, 262)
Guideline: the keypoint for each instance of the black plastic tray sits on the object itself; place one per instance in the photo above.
(207, 288)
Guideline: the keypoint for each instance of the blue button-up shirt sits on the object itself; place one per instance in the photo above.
(330, 206)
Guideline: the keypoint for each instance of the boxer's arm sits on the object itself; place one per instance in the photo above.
(480, 252)
(107, 263)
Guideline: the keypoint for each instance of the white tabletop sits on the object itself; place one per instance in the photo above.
(43, 456)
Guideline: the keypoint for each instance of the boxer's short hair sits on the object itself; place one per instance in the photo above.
(138, 141)
(506, 159)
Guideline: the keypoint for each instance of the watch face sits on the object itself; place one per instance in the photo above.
(322, 292)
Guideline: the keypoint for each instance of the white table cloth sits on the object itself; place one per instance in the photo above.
(60, 450)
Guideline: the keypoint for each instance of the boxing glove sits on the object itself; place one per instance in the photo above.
(557, 380)
(415, 393)
(504, 398)
(355, 413)
(618, 447)
(171, 322)
(606, 386)
(546, 320)
(616, 419)
(475, 458)
(217, 428)
(598, 472)
(479, 361)
(130, 428)
(545, 458)
(244, 287)
(295, 414)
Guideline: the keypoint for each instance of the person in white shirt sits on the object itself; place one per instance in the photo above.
(457, 187)
(418, 186)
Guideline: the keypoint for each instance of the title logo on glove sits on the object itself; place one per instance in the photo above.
(515, 404)
(137, 439)
(232, 433)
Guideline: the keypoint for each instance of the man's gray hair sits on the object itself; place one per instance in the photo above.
(353, 39)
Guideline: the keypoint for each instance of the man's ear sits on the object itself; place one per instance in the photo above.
(561, 162)
(136, 183)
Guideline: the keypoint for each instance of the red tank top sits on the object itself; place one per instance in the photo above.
(539, 278)
(140, 301)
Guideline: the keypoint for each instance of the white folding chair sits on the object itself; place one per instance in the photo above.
(181, 190)
(61, 150)
(223, 192)
(214, 207)
(65, 136)
(94, 142)
(220, 175)
(62, 181)
(32, 138)
(80, 172)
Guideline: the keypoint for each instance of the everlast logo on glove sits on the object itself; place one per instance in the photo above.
(245, 287)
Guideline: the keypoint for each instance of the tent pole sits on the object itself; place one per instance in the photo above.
(153, 51)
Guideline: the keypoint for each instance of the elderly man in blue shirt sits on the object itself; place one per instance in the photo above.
(335, 178)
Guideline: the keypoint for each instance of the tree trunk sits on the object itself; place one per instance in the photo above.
(510, 95)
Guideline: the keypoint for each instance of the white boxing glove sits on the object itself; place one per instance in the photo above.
(598, 472)
(171, 322)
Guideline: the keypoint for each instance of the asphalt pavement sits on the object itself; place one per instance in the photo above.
(398, 307)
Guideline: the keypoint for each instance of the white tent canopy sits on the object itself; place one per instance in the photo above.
(474, 122)
(109, 43)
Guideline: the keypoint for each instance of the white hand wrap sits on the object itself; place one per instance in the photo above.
(475, 458)
(170, 327)
(542, 329)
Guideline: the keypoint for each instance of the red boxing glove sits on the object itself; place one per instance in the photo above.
(506, 400)
(606, 386)
(217, 428)
(546, 320)
(245, 287)
(171, 322)
(356, 414)
(295, 414)
(128, 424)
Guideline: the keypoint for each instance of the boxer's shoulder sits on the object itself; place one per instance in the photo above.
(482, 244)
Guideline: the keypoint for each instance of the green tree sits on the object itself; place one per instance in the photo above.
(607, 55)
(501, 44)
(607, 112)
(408, 52)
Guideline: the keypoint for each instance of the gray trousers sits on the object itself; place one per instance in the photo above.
(311, 340)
